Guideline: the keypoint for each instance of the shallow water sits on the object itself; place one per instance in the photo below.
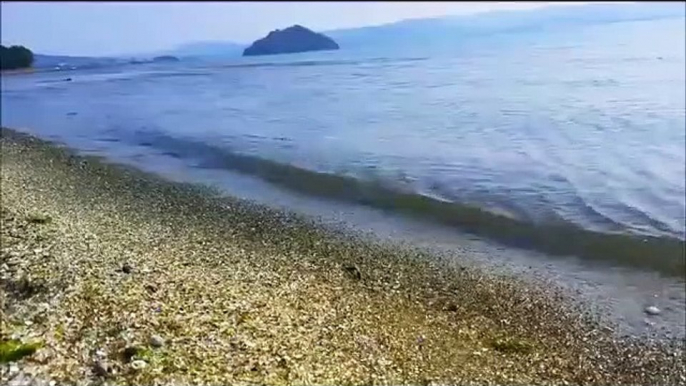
(557, 146)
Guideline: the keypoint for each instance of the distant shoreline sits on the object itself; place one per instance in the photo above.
(34, 70)
(20, 71)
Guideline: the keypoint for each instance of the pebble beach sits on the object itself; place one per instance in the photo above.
(109, 275)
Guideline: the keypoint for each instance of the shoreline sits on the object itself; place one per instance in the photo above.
(241, 293)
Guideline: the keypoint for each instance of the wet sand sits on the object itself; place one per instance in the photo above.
(122, 277)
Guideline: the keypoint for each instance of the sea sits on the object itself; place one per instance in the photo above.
(557, 156)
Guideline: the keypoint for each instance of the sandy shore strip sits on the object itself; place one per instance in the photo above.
(109, 275)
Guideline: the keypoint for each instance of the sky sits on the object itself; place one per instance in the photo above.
(119, 28)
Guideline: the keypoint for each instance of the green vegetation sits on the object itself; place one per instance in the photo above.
(13, 350)
(512, 345)
(15, 57)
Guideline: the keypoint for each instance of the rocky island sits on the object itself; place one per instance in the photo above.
(290, 40)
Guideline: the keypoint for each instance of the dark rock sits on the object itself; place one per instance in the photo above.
(129, 353)
(290, 40)
(353, 272)
(127, 268)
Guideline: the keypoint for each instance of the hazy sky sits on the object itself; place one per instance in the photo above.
(91, 28)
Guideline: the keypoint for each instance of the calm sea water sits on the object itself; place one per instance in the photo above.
(569, 143)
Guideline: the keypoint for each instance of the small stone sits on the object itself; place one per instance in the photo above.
(20, 379)
(101, 368)
(652, 310)
(127, 268)
(156, 341)
(138, 364)
(648, 323)
(13, 369)
(451, 307)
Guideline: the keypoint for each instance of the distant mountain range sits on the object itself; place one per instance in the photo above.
(423, 31)
(445, 29)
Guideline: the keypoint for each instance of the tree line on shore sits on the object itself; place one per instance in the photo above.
(15, 57)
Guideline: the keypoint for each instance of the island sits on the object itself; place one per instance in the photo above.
(15, 57)
(291, 40)
(165, 58)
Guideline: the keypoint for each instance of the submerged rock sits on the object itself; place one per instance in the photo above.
(290, 40)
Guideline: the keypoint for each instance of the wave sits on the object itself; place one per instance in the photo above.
(559, 238)
(321, 62)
